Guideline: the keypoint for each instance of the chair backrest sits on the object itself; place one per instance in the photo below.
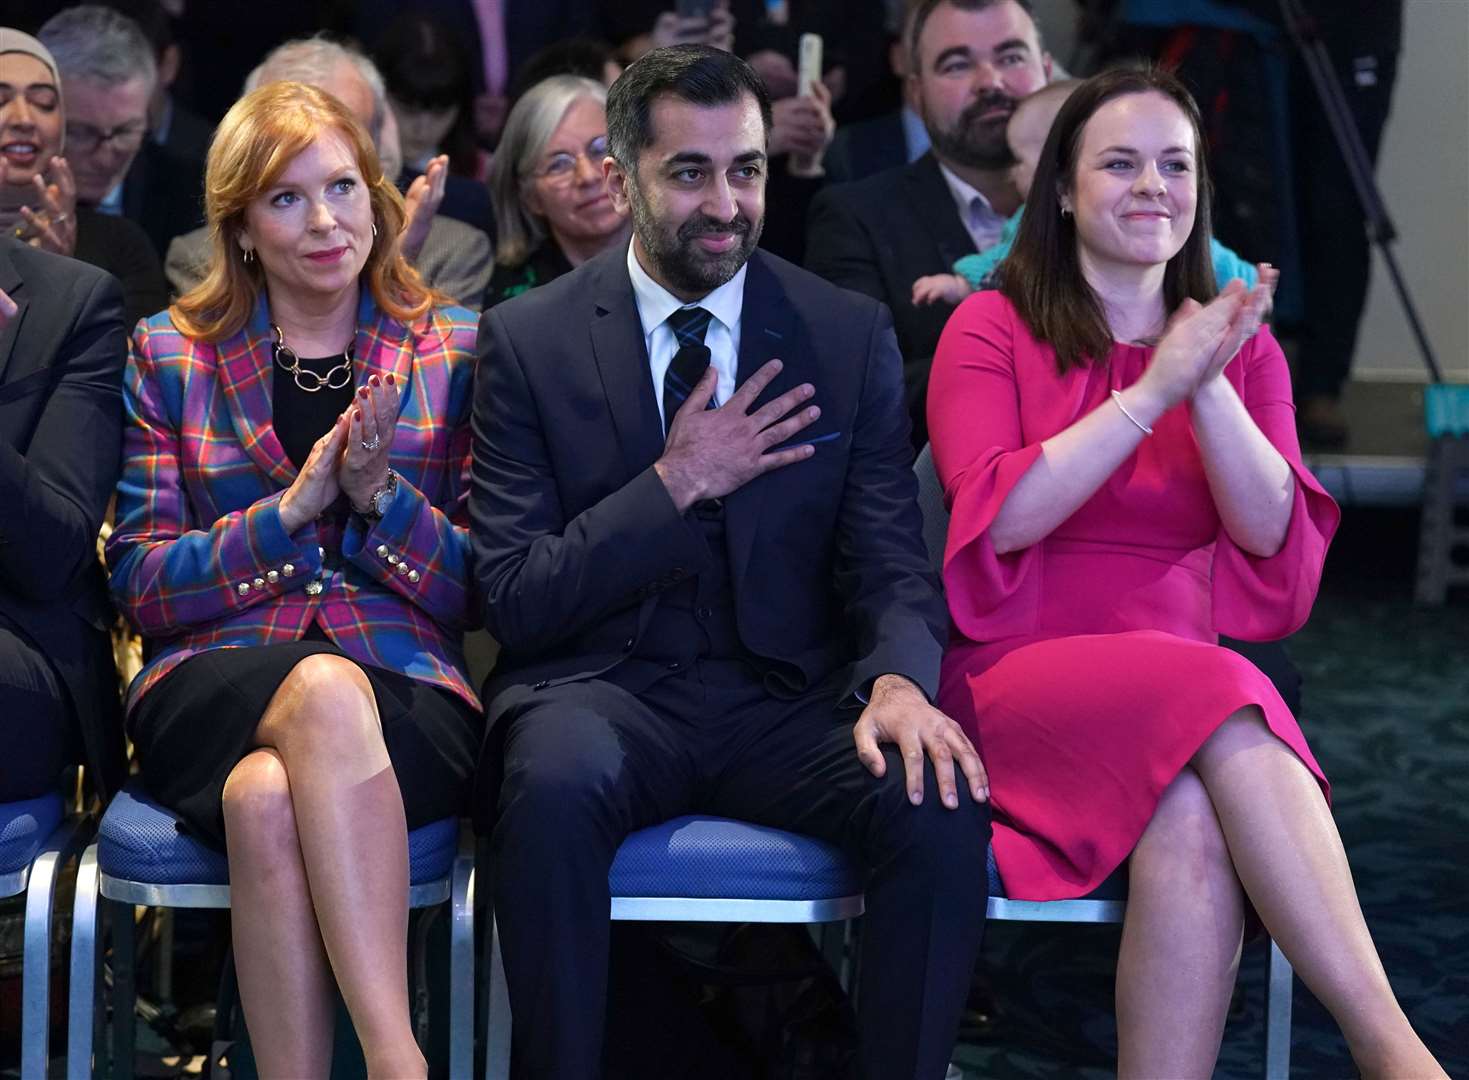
(931, 505)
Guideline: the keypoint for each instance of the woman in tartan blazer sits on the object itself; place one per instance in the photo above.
(292, 538)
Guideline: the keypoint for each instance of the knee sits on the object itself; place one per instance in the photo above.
(258, 811)
(951, 842)
(1184, 836)
(325, 701)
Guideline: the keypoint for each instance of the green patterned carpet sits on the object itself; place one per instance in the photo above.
(1387, 713)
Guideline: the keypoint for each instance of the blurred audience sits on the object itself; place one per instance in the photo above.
(307, 588)
(971, 62)
(39, 200)
(552, 209)
(432, 96)
(163, 190)
(587, 57)
(498, 35)
(893, 138)
(450, 255)
(62, 347)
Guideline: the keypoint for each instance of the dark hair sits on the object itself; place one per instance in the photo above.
(1042, 274)
(699, 74)
(582, 56)
(920, 10)
(424, 67)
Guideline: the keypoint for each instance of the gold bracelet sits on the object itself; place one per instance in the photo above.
(1117, 397)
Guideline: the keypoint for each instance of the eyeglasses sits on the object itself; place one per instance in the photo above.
(560, 167)
(86, 139)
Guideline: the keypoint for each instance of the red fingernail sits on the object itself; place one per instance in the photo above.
(390, 380)
(363, 391)
(373, 380)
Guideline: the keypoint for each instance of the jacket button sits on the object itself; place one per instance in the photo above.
(705, 613)
(628, 644)
(288, 569)
(243, 588)
(272, 576)
(543, 684)
(382, 551)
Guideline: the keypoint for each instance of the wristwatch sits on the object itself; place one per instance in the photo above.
(377, 502)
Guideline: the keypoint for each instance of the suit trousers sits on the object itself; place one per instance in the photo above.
(35, 718)
(584, 764)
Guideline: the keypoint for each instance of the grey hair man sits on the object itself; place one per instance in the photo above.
(108, 74)
(453, 257)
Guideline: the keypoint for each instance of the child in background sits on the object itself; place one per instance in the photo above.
(1026, 133)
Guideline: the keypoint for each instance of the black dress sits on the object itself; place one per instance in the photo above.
(546, 263)
(200, 720)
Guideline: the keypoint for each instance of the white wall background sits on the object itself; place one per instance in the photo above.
(1423, 170)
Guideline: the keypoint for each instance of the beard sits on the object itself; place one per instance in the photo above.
(680, 262)
(977, 143)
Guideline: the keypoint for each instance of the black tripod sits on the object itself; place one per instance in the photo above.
(1380, 231)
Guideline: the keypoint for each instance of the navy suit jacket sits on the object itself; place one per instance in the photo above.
(575, 537)
(61, 361)
(881, 234)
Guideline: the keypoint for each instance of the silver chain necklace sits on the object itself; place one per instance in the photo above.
(336, 377)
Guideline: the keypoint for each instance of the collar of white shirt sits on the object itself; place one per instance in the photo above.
(655, 303)
(983, 223)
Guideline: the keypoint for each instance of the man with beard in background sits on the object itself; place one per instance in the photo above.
(697, 538)
(972, 61)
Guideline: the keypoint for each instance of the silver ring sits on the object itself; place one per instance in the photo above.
(371, 446)
(59, 219)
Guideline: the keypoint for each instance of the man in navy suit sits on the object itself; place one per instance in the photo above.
(698, 544)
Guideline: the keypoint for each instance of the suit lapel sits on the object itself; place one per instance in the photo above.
(622, 363)
(246, 363)
(14, 287)
(929, 195)
(767, 331)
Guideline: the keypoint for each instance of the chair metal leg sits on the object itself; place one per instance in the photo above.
(497, 1010)
(461, 963)
(124, 990)
(35, 1026)
(82, 998)
(419, 1002)
(1279, 985)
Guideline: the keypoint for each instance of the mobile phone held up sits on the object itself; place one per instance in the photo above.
(808, 63)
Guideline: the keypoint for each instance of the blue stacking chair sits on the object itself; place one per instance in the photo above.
(1108, 902)
(141, 858)
(704, 869)
(36, 841)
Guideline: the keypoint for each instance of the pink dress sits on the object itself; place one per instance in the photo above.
(1087, 666)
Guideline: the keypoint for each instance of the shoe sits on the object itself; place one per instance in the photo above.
(1322, 423)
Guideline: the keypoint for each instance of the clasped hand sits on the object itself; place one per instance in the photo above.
(351, 459)
(899, 713)
(1201, 339)
(711, 452)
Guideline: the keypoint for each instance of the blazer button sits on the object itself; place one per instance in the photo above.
(704, 614)
(628, 644)
(243, 588)
(392, 560)
(272, 576)
(382, 551)
(259, 583)
(413, 576)
(288, 569)
(542, 684)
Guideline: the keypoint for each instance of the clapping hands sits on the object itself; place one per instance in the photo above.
(51, 224)
(351, 459)
(1201, 339)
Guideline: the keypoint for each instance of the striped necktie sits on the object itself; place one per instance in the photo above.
(690, 361)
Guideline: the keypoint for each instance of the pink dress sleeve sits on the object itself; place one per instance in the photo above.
(980, 453)
(1262, 599)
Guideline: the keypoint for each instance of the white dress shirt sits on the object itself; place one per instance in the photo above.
(655, 304)
(981, 220)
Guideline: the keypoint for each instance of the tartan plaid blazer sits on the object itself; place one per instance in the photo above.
(199, 558)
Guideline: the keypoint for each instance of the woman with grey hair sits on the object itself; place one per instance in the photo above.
(552, 212)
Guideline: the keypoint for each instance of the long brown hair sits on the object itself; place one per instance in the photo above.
(1042, 274)
(256, 141)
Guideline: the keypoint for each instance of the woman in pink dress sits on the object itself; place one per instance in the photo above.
(1116, 442)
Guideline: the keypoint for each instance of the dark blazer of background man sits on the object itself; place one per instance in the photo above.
(972, 61)
(61, 362)
(692, 623)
